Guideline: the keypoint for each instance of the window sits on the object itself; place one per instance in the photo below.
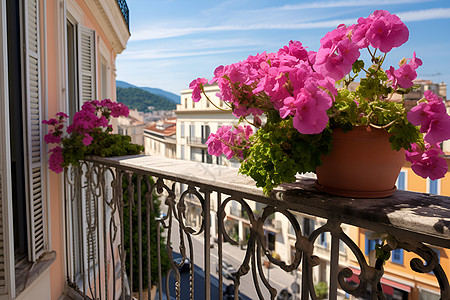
(22, 173)
(191, 132)
(433, 186)
(308, 226)
(104, 79)
(401, 181)
(397, 256)
(323, 240)
(342, 247)
(185, 102)
(206, 131)
(182, 129)
(80, 49)
(370, 243)
(72, 75)
(182, 150)
(206, 157)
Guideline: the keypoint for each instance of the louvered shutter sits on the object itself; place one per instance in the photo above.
(87, 92)
(34, 141)
(6, 250)
(86, 64)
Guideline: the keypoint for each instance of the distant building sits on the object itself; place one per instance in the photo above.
(439, 89)
(160, 138)
(133, 125)
(196, 120)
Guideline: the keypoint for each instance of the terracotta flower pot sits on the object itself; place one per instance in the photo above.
(361, 164)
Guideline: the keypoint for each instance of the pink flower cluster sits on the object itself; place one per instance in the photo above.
(229, 140)
(380, 30)
(92, 116)
(300, 85)
(339, 49)
(403, 77)
(430, 114)
(284, 80)
(427, 162)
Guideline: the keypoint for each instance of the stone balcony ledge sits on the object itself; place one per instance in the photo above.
(422, 217)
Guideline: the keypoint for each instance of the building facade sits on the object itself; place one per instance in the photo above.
(55, 55)
(133, 126)
(160, 138)
(196, 120)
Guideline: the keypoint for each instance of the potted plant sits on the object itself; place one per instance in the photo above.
(301, 103)
(89, 134)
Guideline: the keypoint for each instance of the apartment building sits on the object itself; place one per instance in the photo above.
(55, 55)
(160, 138)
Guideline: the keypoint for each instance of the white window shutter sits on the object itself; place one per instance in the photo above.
(86, 64)
(6, 250)
(34, 141)
(6, 231)
(87, 92)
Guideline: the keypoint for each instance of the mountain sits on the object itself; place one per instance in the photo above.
(137, 98)
(171, 96)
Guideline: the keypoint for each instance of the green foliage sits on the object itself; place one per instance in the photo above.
(104, 144)
(279, 152)
(321, 290)
(370, 105)
(134, 246)
(381, 254)
(136, 98)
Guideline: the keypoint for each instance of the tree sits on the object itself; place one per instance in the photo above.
(165, 264)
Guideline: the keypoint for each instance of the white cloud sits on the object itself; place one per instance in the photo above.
(161, 54)
(426, 14)
(161, 33)
(355, 3)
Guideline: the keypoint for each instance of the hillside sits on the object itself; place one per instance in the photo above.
(137, 98)
(172, 97)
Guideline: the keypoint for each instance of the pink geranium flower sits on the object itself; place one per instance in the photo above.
(93, 117)
(381, 30)
(432, 118)
(196, 85)
(427, 162)
(337, 54)
(56, 160)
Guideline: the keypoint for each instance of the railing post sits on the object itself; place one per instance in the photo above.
(207, 244)
(219, 244)
(139, 209)
(334, 267)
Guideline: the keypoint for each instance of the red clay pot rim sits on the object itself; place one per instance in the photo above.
(355, 194)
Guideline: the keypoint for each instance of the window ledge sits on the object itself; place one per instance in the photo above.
(27, 272)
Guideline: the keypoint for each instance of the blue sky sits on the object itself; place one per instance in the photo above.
(175, 41)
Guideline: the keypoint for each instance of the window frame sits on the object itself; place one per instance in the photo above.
(403, 173)
(438, 186)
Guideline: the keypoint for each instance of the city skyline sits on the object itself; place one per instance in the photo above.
(173, 42)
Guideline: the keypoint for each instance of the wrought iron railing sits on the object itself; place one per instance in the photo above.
(196, 140)
(125, 12)
(110, 203)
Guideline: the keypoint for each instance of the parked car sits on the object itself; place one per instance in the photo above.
(284, 295)
(186, 265)
(227, 270)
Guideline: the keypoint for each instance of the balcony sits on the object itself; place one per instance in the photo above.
(110, 200)
(125, 12)
(196, 141)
